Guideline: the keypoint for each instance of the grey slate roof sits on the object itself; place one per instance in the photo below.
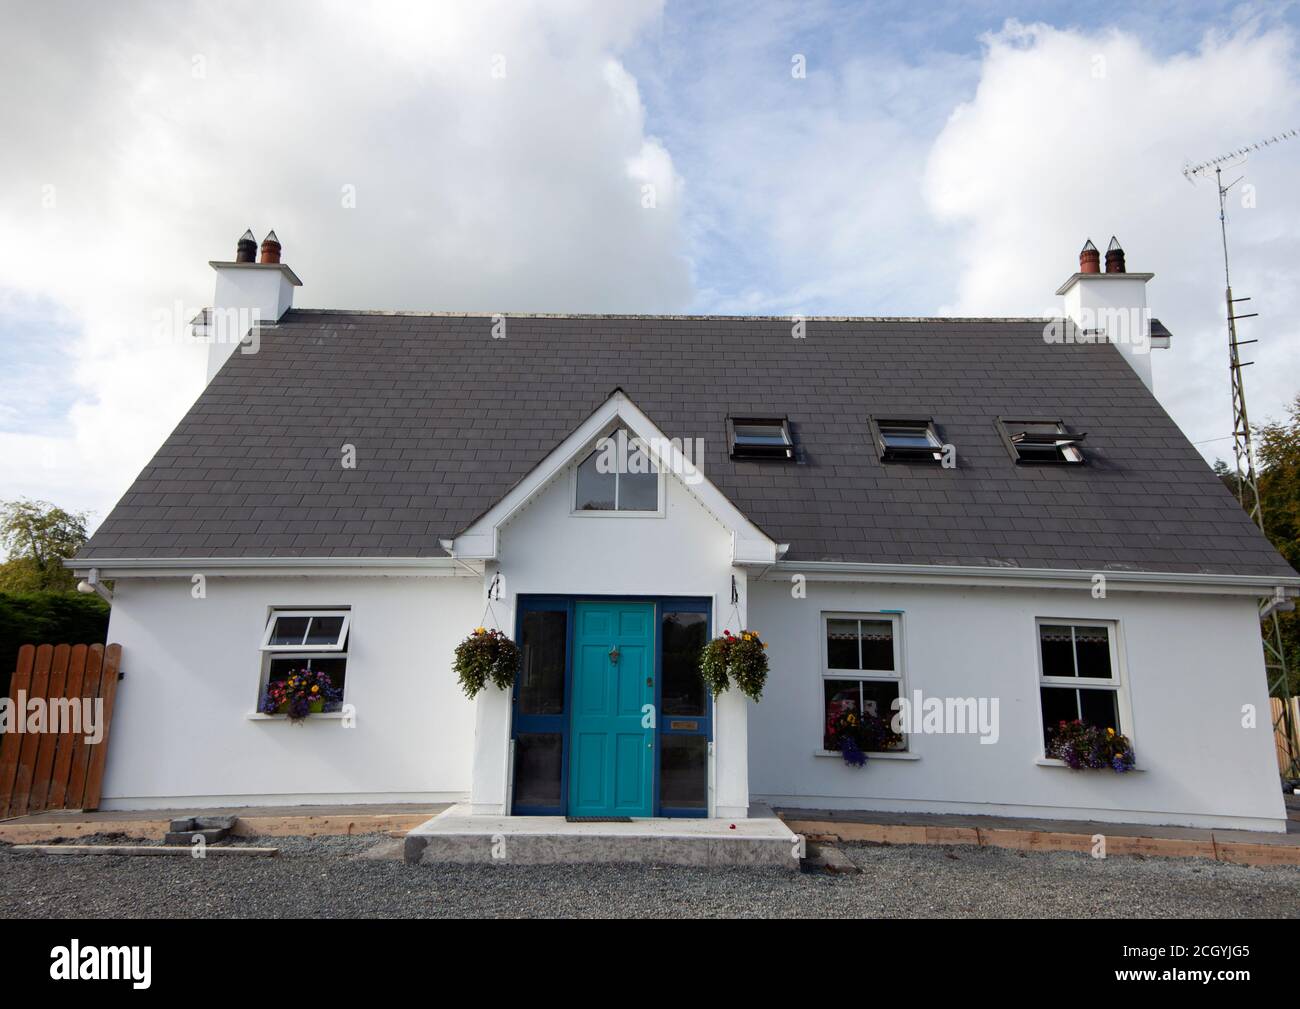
(445, 419)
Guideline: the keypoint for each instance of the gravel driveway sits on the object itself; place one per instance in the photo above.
(324, 876)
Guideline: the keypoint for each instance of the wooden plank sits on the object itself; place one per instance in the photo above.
(99, 752)
(80, 749)
(1247, 853)
(22, 832)
(31, 740)
(254, 825)
(67, 739)
(185, 851)
(11, 741)
(49, 738)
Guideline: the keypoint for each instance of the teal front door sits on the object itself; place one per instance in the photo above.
(611, 743)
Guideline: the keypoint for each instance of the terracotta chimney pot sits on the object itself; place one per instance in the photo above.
(1089, 258)
(271, 249)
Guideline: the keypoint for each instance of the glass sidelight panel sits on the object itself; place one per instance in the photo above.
(539, 758)
(684, 772)
(684, 637)
(541, 676)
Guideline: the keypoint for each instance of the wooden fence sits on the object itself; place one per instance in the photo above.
(55, 741)
(1275, 706)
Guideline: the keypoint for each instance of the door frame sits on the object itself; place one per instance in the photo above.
(561, 724)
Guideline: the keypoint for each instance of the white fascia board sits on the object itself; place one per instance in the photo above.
(353, 567)
(1045, 578)
(750, 544)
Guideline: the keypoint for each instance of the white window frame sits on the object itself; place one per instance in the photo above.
(1118, 681)
(862, 675)
(605, 513)
(277, 613)
(300, 651)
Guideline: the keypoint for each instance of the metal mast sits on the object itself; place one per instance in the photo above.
(1243, 450)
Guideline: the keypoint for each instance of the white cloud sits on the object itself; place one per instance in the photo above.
(1072, 135)
(165, 131)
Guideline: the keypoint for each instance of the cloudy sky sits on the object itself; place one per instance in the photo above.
(495, 156)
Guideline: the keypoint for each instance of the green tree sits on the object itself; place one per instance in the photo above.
(38, 537)
(1277, 450)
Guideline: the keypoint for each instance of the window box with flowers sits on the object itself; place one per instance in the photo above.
(1081, 746)
(301, 693)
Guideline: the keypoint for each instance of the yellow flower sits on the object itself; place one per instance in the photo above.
(315, 690)
(1110, 732)
(480, 630)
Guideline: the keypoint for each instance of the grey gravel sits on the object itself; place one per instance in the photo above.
(328, 876)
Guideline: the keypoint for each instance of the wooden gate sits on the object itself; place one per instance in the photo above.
(1285, 748)
(51, 754)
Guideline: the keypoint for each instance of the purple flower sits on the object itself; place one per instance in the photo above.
(853, 755)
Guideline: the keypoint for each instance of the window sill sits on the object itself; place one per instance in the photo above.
(883, 755)
(1053, 762)
(615, 513)
(257, 716)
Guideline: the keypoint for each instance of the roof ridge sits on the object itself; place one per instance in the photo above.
(689, 318)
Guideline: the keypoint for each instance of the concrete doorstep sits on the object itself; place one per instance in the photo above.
(459, 837)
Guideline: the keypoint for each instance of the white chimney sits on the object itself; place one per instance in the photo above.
(1112, 307)
(248, 294)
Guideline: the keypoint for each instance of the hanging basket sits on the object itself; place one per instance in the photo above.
(486, 656)
(739, 659)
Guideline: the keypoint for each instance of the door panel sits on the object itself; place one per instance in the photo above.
(612, 763)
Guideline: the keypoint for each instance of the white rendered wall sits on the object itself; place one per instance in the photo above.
(1190, 662)
(686, 552)
(181, 735)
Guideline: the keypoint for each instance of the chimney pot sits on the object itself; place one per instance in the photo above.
(1089, 258)
(246, 250)
(1114, 256)
(270, 249)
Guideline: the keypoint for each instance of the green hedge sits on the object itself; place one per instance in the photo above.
(40, 618)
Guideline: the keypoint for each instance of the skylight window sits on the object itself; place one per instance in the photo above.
(1042, 441)
(900, 440)
(760, 438)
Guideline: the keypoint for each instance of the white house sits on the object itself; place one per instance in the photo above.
(994, 516)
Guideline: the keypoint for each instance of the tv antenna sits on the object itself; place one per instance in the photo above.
(1243, 450)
